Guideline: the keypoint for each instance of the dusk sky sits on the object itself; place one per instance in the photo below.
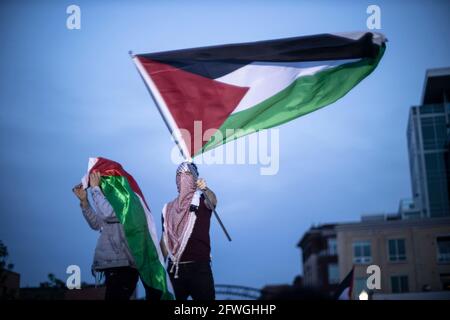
(67, 95)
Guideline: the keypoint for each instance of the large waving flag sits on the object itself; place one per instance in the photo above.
(237, 89)
(127, 200)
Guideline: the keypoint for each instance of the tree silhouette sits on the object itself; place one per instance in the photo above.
(5, 266)
(4, 255)
(53, 282)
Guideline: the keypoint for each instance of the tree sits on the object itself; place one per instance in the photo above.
(4, 255)
(5, 266)
(53, 283)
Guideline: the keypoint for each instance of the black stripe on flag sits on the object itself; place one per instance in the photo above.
(216, 61)
(347, 283)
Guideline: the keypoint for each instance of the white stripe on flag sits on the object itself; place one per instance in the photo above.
(152, 230)
(85, 179)
(266, 79)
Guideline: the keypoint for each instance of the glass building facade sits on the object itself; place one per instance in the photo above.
(428, 145)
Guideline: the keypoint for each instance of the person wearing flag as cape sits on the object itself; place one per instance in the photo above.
(186, 240)
(112, 255)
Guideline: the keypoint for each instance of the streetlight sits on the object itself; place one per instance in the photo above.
(363, 295)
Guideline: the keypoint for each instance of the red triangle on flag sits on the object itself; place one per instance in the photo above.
(191, 97)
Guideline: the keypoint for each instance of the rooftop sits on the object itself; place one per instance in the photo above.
(372, 222)
(322, 229)
(437, 81)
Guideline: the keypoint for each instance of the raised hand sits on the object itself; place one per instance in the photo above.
(94, 179)
(201, 184)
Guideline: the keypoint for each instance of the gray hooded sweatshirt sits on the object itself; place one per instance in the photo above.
(112, 249)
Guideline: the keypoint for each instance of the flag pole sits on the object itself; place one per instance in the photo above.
(210, 204)
(172, 127)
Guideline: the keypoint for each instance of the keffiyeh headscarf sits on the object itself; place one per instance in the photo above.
(179, 220)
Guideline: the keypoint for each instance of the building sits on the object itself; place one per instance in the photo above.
(413, 254)
(412, 246)
(428, 135)
(320, 258)
(9, 284)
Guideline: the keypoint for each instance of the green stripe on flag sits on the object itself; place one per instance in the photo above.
(304, 95)
(129, 211)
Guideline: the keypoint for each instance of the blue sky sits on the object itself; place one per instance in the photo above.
(67, 95)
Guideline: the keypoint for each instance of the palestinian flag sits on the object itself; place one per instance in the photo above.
(128, 202)
(237, 89)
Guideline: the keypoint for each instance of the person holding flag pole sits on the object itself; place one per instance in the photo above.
(175, 132)
(185, 240)
(186, 219)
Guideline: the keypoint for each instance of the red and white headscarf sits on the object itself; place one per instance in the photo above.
(179, 221)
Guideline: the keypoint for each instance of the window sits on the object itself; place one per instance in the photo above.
(332, 246)
(434, 132)
(333, 273)
(436, 182)
(443, 246)
(445, 281)
(397, 250)
(362, 252)
(399, 284)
